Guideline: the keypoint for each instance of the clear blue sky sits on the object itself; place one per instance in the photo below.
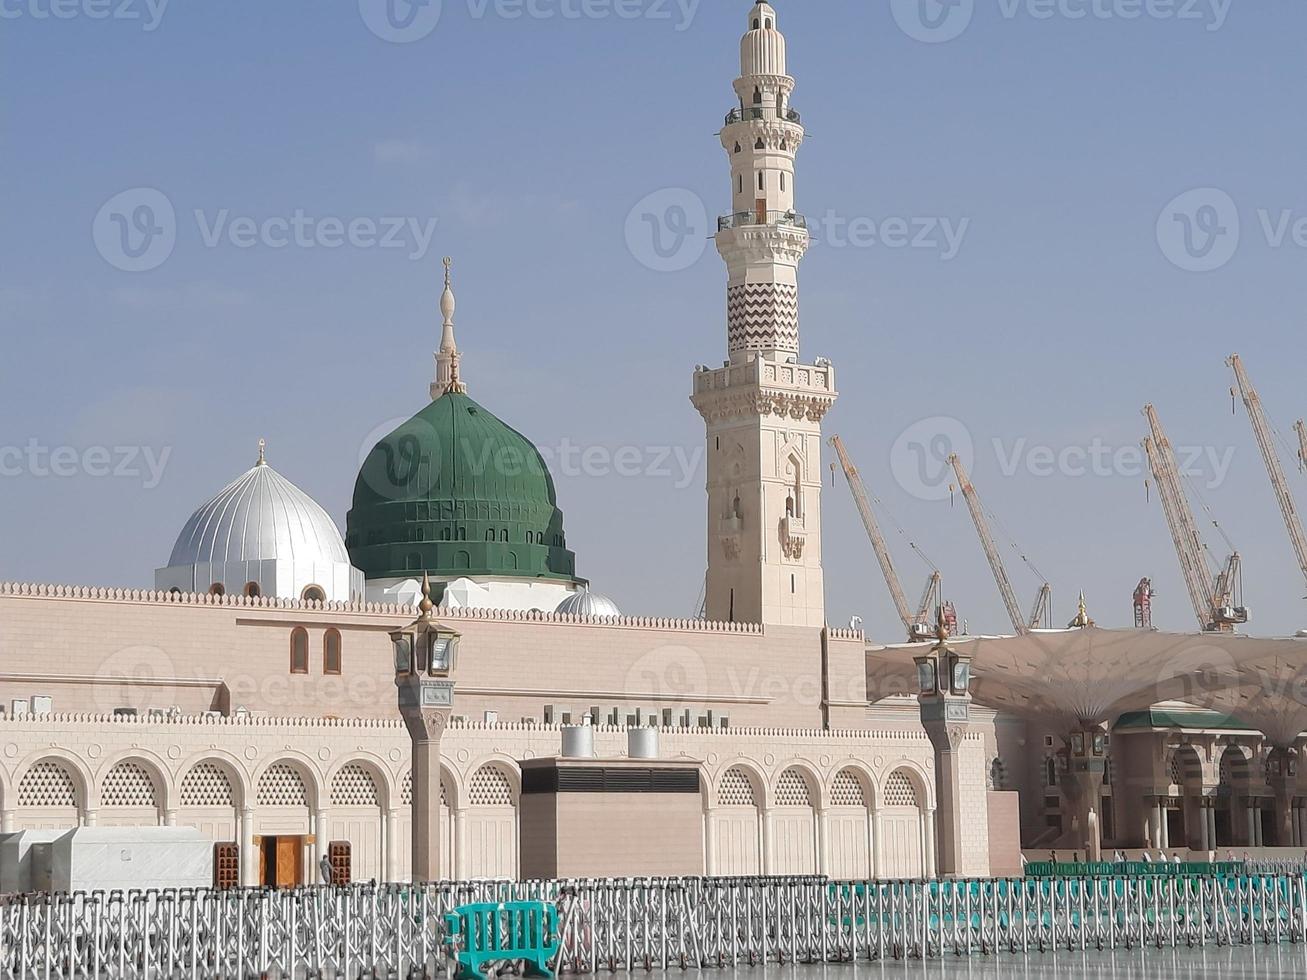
(1058, 140)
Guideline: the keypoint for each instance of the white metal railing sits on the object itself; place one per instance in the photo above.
(635, 924)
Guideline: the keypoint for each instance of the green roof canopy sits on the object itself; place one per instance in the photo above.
(455, 492)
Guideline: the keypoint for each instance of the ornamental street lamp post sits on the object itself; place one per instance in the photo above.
(944, 682)
(1087, 765)
(424, 661)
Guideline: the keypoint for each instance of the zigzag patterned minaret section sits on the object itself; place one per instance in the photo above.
(763, 408)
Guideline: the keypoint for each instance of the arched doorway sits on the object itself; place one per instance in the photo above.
(285, 826)
(210, 801)
(736, 836)
(491, 823)
(848, 826)
(130, 795)
(1234, 813)
(902, 823)
(356, 820)
(794, 825)
(50, 797)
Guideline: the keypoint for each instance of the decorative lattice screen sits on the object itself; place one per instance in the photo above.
(47, 784)
(1176, 770)
(207, 785)
(792, 789)
(736, 789)
(282, 785)
(847, 790)
(899, 790)
(128, 784)
(490, 787)
(354, 786)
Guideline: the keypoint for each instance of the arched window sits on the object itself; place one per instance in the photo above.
(759, 144)
(755, 23)
(331, 652)
(737, 148)
(217, 588)
(299, 651)
(314, 593)
(490, 535)
(462, 560)
(782, 180)
(413, 562)
(252, 590)
(503, 535)
(761, 185)
(757, 96)
(740, 182)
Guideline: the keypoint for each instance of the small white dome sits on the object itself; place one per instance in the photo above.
(261, 516)
(583, 602)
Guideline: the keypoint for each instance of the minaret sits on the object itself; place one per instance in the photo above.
(763, 408)
(447, 358)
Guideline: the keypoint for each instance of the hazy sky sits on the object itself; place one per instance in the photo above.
(223, 221)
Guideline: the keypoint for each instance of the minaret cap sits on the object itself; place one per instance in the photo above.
(448, 377)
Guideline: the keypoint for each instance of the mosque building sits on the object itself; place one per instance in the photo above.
(251, 693)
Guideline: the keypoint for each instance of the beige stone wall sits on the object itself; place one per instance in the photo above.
(97, 652)
(303, 776)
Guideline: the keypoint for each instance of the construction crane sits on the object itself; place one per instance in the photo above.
(919, 625)
(1216, 603)
(1042, 603)
(1144, 604)
(1266, 442)
(1041, 615)
(1301, 428)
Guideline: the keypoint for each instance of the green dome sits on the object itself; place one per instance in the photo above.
(455, 492)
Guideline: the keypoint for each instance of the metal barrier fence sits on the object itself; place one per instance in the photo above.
(630, 925)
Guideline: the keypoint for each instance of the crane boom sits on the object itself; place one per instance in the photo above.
(1301, 428)
(1041, 614)
(991, 549)
(1265, 441)
(1213, 600)
(878, 545)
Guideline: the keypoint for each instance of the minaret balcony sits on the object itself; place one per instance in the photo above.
(762, 112)
(744, 219)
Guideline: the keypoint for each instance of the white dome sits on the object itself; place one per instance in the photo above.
(583, 602)
(261, 516)
(262, 536)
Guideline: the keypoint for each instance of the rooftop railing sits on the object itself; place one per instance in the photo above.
(762, 112)
(743, 219)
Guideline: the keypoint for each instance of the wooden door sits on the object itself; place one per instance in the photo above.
(761, 205)
(290, 862)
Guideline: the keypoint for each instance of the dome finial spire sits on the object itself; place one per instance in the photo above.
(263, 455)
(447, 358)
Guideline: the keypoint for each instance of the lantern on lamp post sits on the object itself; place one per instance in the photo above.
(425, 653)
